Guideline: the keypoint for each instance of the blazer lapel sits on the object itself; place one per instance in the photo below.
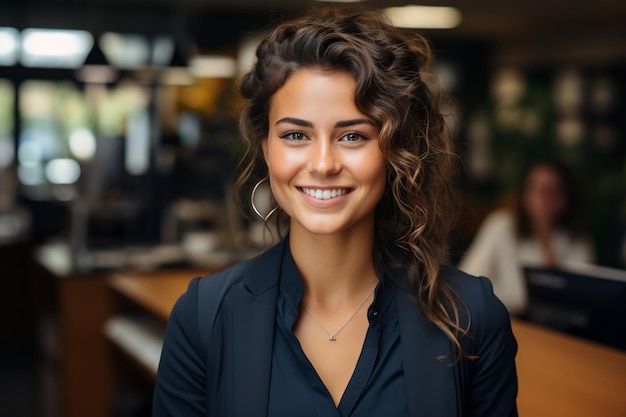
(253, 332)
(430, 382)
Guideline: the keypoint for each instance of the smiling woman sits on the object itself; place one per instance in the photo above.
(326, 169)
(341, 117)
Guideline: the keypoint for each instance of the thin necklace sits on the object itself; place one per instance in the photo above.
(333, 336)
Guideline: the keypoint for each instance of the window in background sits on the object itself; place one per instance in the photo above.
(66, 131)
(51, 114)
(137, 150)
(9, 46)
(123, 129)
(15, 221)
(114, 106)
(7, 148)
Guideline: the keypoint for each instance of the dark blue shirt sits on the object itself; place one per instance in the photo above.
(226, 354)
(377, 386)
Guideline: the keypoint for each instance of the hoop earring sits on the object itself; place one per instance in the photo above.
(256, 210)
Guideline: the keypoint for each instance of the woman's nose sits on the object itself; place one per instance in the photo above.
(324, 160)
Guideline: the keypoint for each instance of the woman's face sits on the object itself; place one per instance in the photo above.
(544, 196)
(325, 167)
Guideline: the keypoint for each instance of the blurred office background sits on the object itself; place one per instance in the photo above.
(119, 143)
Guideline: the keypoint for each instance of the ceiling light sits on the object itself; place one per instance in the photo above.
(213, 67)
(162, 51)
(424, 17)
(125, 51)
(96, 68)
(55, 48)
(246, 54)
(178, 59)
(97, 74)
(176, 76)
(176, 70)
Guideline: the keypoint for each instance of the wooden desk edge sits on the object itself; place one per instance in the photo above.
(155, 291)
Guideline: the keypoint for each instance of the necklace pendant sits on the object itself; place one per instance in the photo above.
(332, 338)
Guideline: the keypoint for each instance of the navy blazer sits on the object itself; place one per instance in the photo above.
(217, 353)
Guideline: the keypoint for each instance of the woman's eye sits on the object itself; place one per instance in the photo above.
(352, 137)
(293, 136)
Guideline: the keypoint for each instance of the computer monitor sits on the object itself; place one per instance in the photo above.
(580, 299)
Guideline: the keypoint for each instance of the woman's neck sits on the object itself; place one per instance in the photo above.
(334, 268)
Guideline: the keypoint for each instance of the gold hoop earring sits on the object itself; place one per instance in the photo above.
(254, 207)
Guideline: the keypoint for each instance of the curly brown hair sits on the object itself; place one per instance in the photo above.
(416, 212)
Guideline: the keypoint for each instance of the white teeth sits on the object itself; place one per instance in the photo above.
(324, 194)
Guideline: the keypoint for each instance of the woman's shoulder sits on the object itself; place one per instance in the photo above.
(476, 297)
(257, 274)
(229, 272)
(220, 281)
(209, 290)
(475, 300)
(469, 289)
(489, 347)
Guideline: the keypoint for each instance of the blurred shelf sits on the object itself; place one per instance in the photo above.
(140, 338)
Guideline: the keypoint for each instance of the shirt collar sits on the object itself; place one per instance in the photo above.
(293, 290)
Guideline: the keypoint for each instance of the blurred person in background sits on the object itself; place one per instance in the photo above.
(543, 230)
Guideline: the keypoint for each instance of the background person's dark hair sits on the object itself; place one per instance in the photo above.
(570, 220)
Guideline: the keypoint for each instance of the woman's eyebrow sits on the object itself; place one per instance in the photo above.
(295, 121)
(339, 124)
(352, 122)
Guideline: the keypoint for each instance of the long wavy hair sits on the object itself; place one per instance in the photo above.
(393, 88)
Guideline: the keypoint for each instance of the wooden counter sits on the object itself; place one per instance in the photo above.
(155, 292)
(142, 305)
(559, 375)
